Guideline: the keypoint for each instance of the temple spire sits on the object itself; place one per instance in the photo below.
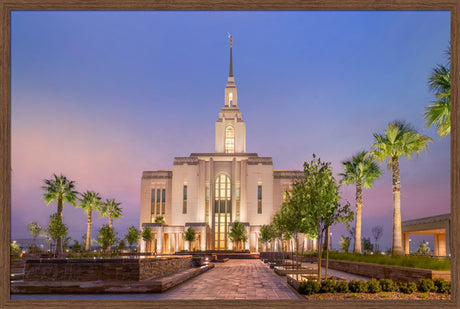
(231, 62)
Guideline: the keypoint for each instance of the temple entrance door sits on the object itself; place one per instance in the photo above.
(222, 212)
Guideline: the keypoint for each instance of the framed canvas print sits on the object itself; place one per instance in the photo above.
(205, 154)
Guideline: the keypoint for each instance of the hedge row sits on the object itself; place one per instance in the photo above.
(373, 286)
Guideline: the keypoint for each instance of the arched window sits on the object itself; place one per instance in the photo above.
(229, 140)
(222, 211)
(230, 99)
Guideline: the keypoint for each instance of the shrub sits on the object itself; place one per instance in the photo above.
(388, 285)
(327, 286)
(426, 285)
(423, 296)
(357, 286)
(308, 287)
(341, 287)
(442, 286)
(373, 286)
(407, 288)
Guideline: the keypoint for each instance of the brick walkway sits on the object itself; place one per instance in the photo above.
(235, 279)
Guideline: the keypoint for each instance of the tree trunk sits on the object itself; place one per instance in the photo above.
(397, 235)
(327, 256)
(58, 249)
(359, 204)
(88, 230)
(324, 241)
(111, 226)
(320, 244)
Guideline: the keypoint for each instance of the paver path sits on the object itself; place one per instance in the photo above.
(236, 279)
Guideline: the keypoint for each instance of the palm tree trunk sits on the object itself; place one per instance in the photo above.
(359, 204)
(397, 235)
(58, 249)
(88, 230)
(111, 226)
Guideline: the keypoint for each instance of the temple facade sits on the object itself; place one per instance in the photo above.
(210, 191)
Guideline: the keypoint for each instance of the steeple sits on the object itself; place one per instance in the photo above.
(231, 62)
(230, 89)
(230, 127)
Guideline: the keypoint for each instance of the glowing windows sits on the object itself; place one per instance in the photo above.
(229, 140)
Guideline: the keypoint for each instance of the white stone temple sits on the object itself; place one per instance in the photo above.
(209, 191)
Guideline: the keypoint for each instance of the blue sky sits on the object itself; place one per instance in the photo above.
(103, 96)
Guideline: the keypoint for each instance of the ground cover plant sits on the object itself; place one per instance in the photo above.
(386, 288)
(424, 262)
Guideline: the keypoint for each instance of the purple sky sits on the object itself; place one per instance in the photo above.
(103, 96)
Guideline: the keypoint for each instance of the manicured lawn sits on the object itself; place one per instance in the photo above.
(424, 262)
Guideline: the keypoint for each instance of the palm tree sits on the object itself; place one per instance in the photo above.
(362, 170)
(110, 209)
(399, 139)
(438, 114)
(89, 201)
(60, 190)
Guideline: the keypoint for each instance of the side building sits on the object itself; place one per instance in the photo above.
(210, 191)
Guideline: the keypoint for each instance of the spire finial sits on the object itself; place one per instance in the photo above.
(231, 62)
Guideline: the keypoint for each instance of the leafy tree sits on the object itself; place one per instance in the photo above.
(281, 231)
(344, 243)
(121, 244)
(56, 229)
(76, 247)
(190, 236)
(376, 233)
(292, 212)
(15, 249)
(66, 241)
(160, 219)
(266, 233)
(147, 236)
(367, 244)
(61, 191)
(439, 83)
(320, 194)
(423, 248)
(238, 234)
(132, 237)
(399, 139)
(89, 200)
(106, 237)
(112, 210)
(362, 170)
(35, 230)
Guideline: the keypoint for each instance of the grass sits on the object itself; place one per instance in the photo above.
(424, 262)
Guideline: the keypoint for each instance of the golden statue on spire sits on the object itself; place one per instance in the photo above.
(231, 39)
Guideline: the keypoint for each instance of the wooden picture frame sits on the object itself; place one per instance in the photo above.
(7, 6)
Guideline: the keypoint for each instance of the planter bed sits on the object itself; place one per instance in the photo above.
(283, 270)
(380, 271)
(104, 269)
(156, 285)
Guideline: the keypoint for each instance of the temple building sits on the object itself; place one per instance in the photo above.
(210, 191)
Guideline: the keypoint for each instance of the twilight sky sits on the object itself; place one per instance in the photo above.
(102, 96)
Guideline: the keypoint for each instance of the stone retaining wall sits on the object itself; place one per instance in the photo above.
(378, 271)
(156, 267)
(275, 255)
(103, 269)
